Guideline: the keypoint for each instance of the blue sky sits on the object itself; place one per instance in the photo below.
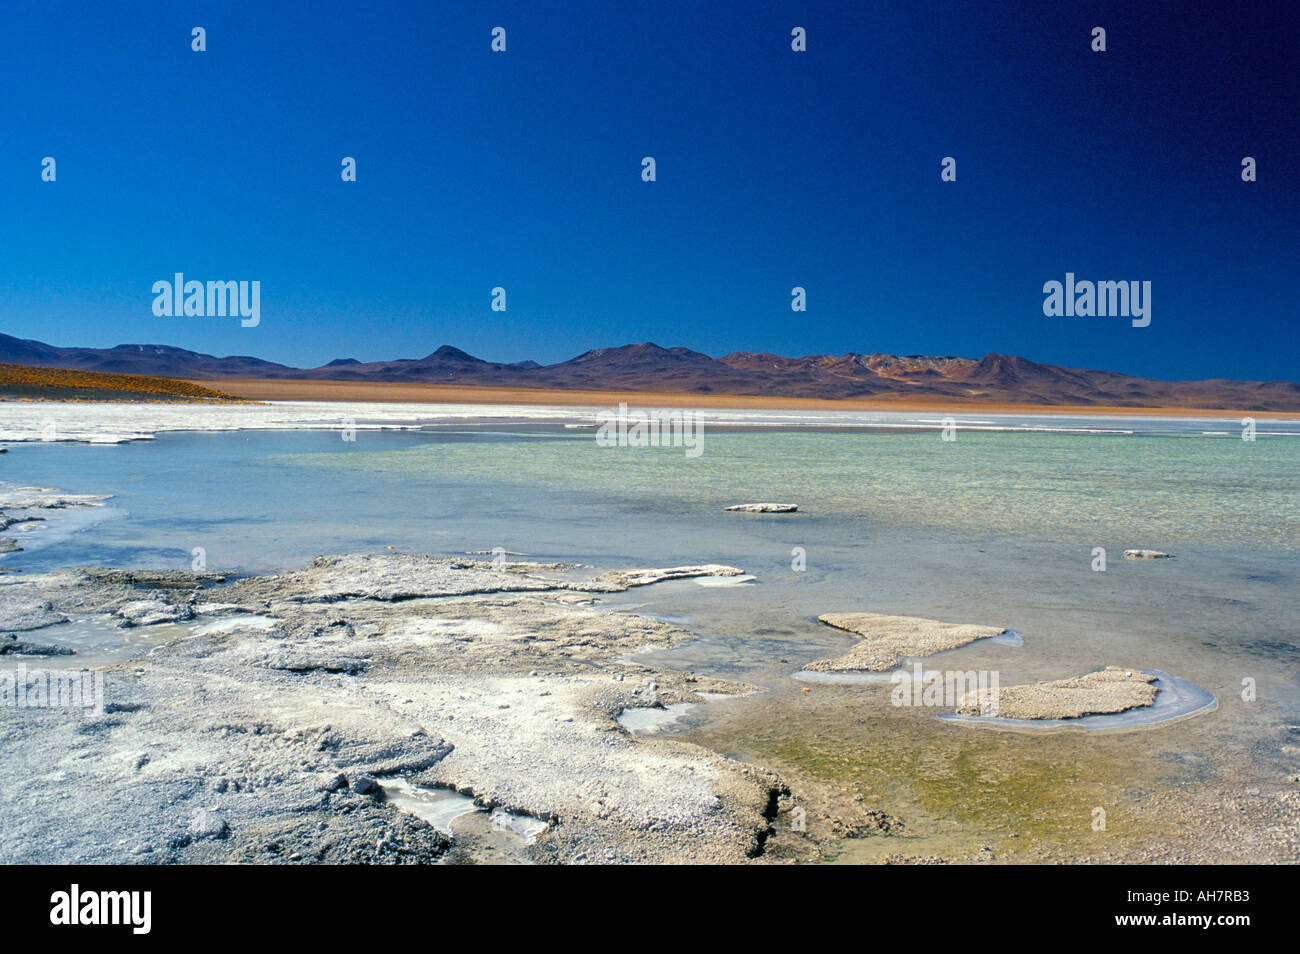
(522, 170)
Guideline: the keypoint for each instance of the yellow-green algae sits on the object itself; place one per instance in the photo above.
(958, 788)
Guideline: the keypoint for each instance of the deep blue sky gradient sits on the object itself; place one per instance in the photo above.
(775, 169)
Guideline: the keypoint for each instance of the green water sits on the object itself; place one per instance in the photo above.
(1161, 491)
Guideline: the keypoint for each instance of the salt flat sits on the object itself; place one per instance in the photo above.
(114, 423)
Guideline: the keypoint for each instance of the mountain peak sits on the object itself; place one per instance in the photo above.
(447, 351)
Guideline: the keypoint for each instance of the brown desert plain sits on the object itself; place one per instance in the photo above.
(266, 389)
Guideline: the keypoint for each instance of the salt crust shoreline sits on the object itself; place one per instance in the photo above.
(253, 741)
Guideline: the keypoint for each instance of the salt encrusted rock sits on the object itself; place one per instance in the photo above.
(154, 579)
(12, 645)
(392, 577)
(336, 783)
(629, 578)
(46, 498)
(1104, 692)
(23, 608)
(763, 508)
(149, 612)
(208, 824)
(459, 657)
(1147, 555)
(889, 638)
(308, 662)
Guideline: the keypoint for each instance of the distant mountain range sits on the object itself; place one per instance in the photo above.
(995, 378)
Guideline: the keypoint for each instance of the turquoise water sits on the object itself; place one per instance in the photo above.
(1165, 490)
(995, 528)
(262, 500)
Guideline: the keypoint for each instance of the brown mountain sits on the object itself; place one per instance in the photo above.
(995, 378)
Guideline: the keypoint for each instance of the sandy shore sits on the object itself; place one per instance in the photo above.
(262, 389)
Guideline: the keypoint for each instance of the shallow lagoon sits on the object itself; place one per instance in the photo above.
(997, 527)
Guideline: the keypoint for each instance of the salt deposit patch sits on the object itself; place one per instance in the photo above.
(115, 423)
(888, 639)
(111, 422)
(231, 623)
(1176, 698)
(446, 630)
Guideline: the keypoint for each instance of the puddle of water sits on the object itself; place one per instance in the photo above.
(646, 720)
(1009, 638)
(442, 806)
(437, 806)
(846, 678)
(632, 609)
(524, 826)
(98, 640)
(1176, 698)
